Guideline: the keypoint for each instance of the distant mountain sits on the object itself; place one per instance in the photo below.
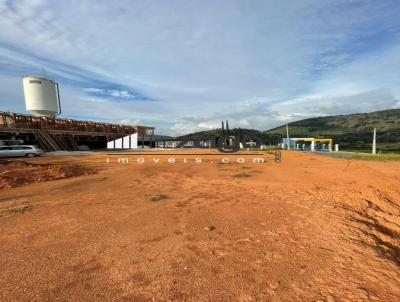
(217, 132)
(245, 134)
(352, 132)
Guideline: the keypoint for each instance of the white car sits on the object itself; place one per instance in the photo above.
(20, 150)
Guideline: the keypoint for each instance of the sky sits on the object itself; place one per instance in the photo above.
(183, 66)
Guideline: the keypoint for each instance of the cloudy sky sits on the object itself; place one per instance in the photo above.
(185, 65)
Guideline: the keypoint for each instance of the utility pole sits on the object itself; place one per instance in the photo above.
(227, 133)
(287, 137)
(374, 142)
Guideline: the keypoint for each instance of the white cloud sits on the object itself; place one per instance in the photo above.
(120, 94)
(257, 63)
(208, 125)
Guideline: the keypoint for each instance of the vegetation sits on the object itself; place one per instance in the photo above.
(18, 209)
(241, 174)
(351, 132)
(378, 157)
(246, 134)
(158, 197)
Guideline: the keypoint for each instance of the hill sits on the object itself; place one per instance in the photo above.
(352, 131)
(209, 134)
(246, 134)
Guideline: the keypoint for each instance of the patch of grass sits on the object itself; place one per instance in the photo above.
(158, 197)
(376, 157)
(20, 210)
(241, 174)
(17, 209)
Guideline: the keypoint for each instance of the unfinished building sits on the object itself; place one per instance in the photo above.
(55, 134)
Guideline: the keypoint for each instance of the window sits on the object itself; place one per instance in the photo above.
(21, 148)
(35, 82)
(5, 148)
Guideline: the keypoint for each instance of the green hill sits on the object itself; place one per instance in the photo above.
(352, 132)
(245, 134)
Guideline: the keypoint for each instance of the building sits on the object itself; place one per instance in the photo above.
(53, 134)
(308, 144)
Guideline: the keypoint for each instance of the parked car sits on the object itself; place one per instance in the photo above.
(20, 150)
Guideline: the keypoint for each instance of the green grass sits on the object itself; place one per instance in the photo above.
(377, 157)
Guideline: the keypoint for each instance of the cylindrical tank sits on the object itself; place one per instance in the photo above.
(41, 95)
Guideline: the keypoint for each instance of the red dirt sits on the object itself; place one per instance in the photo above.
(312, 228)
(18, 173)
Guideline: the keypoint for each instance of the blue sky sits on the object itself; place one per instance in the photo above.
(183, 66)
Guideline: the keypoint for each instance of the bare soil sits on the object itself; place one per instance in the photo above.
(18, 173)
(312, 228)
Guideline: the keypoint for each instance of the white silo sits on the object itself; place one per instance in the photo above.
(42, 96)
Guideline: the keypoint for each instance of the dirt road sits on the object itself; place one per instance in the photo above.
(312, 228)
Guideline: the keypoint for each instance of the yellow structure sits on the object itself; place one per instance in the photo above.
(293, 141)
(329, 141)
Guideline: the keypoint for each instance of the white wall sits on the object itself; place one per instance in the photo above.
(123, 143)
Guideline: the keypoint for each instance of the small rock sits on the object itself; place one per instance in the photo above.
(209, 228)
(274, 284)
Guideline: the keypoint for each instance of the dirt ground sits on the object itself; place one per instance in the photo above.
(15, 173)
(312, 228)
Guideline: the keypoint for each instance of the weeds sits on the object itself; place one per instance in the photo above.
(18, 209)
(377, 157)
(241, 174)
(158, 197)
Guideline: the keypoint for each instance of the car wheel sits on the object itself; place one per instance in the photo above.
(30, 155)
